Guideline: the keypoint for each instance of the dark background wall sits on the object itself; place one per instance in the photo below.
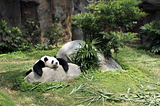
(16, 12)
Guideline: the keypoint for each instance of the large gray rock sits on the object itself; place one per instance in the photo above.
(69, 48)
(77, 34)
(79, 6)
(54, 74)
(110, 64)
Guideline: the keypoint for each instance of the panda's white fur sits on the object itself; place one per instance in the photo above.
(50, 62)
(47, 61)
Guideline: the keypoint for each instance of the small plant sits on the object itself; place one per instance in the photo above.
(10, 37)
(114, 40)
(152, 30)
(53, 34)
(86, 56)
(40, 47)
(30, 34)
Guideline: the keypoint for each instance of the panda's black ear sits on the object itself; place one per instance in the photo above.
(55, 56)
(45, 59)
(38, 67)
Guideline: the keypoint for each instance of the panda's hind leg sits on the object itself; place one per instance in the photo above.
(28, 72)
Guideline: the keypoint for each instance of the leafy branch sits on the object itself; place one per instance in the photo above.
(140, 97)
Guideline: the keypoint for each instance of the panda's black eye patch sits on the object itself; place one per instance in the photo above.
(52, 61)
(45, 59)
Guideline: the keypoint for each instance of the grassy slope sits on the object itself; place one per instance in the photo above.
(140, 66)
(143, 60)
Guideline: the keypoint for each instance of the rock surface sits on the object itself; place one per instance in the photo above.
(54, 74)
(77, 34)
(153, 2)
(152, 7)
(16, 12)
(69, 48)
(110, 64)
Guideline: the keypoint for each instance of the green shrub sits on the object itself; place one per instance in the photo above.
(152, 30)
(10, 37)
(53, 34)
(40, 47)
(86, 57)
(106, 17)
(114, 40)
(30, 35)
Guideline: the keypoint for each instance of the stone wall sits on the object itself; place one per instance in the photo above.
(63, 9)
(152, 7)
(16, 12)
(10, 11)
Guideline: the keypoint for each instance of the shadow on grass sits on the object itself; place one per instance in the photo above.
(7, 78)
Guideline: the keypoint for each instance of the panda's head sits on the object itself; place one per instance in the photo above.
(50, 61)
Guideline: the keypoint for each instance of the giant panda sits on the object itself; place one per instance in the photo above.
(47, 61)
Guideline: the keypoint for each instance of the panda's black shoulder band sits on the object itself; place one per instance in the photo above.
(63, 63)
(38, 67)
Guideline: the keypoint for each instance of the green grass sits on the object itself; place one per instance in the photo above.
(5, 100)
(137, 57)
(140, 66)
